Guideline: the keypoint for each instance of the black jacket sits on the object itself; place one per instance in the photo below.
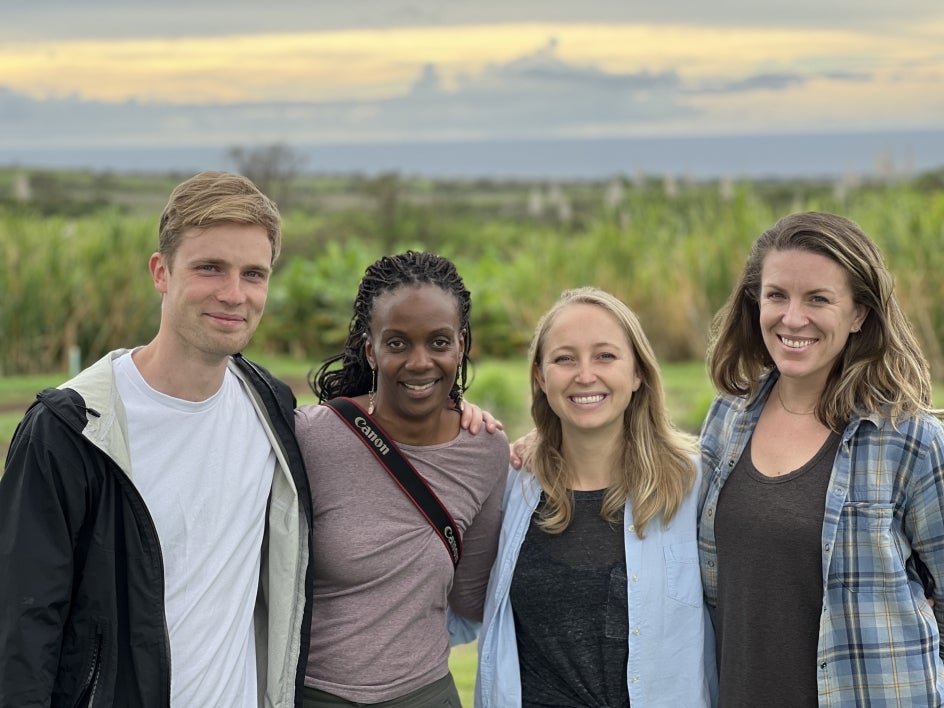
(81, 572)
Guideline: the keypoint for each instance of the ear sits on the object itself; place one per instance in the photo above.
(637, 381)
(159, 272)
(538, 376)
(369, 351)
(861, 313)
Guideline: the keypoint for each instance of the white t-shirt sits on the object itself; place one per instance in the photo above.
(205, 471)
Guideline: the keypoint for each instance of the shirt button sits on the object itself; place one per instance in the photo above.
(711, 564)
(710, 511)
(636, 630)
(632, 527)
(827, 546)
(635, 578)
(635, 679)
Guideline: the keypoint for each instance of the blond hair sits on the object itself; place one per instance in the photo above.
(214, 198)
(655, 469)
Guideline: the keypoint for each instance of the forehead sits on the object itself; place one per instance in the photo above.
(583, 323)
(424, 306)
(803, 268)
(230, 242)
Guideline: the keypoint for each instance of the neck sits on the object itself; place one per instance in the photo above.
(590, 457)
(796, 402)
(185, 377)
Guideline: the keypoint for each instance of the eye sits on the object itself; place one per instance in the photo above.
(607, 355)
(395, 345)
(820, 299)
(774, 295)
(562, 359)
(256, 275)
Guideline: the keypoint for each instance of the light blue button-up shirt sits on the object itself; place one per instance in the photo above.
(671, 647)
(879, 639)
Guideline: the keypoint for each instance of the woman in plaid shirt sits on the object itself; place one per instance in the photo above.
(822, 521)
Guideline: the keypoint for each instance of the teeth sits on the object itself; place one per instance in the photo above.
(588, 399)
(796, 343)
(420, 387)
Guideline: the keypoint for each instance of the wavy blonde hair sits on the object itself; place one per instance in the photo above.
(881, 369)
(656, 468)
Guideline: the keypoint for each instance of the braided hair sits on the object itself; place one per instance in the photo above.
(353, 378)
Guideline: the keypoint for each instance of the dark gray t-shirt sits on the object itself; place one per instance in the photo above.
(770, 582)
(570, 606)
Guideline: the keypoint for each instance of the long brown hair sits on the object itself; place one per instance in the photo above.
(881, 369)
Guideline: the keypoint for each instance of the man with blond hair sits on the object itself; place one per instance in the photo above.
(154, 511)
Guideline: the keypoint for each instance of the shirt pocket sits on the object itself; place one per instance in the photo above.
(682, 575)
(867, 557)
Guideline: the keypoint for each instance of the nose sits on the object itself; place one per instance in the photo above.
(419, 359)
(795, 314)
(231, 290)
(585, 372)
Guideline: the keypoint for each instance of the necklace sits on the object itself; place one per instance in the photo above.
(784, 406)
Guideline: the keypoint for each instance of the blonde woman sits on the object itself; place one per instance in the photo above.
(595, 598)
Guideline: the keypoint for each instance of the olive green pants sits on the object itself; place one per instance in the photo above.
(438, 694)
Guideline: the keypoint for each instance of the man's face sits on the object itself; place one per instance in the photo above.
(214, 289)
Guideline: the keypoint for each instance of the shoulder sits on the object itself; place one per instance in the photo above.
(261, 379)
(522, 491)
(313, 416)
(917, 432)
(47, 444)
(491, 446)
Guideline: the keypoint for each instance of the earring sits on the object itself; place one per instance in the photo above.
(459, 391)
(370, 394)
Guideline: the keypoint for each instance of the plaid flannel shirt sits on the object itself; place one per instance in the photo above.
(879, 639)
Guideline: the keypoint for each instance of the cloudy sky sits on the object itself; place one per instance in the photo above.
(129, 73)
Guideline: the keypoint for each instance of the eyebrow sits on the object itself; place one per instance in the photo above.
(449, 330)
(224, 262)
(595, 345)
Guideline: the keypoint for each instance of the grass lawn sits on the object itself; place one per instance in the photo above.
(462, 662)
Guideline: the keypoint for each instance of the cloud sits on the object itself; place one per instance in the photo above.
(534, 95)
(67, 19)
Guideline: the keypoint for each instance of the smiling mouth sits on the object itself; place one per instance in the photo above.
(794, 343)
(418, 387)
(593, 398)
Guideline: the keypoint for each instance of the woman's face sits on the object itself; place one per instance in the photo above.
(416, 345)
(806, 314)
(588, 368)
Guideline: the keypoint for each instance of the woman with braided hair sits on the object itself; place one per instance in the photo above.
(383, 577)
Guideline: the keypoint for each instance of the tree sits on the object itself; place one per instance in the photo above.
(273, 168)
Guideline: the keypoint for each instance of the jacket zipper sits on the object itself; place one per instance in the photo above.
(90, 686)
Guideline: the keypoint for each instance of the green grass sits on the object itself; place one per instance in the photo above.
(17, 389)
(462, 662)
